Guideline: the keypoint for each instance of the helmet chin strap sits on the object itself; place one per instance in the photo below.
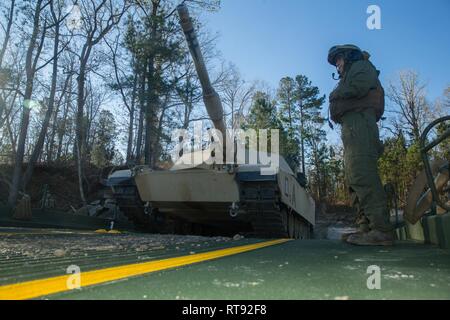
(339, 74)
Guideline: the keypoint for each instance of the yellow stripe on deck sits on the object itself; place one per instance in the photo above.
(42, 287)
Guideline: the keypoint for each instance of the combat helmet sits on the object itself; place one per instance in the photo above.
(350, 52)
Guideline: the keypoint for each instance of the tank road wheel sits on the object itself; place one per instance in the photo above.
(183, 227)
(297, 228)
(302, 229)
(145, 223)
(285, 221)
(291, 225)
(197, 229)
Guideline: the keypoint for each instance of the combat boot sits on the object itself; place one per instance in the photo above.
(363, 226)
(372, 238)
(345, 236)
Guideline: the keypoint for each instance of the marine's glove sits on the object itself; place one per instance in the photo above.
(335, 109)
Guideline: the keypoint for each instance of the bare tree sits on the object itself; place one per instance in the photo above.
(9, 19)
(11, 94)
(237, 95)
(408, 95)
(442, 104)
(127, 90)
(34, 50)
(8, 96)
(62, 100)
(57, 20)
(447, 97)
(99, 17)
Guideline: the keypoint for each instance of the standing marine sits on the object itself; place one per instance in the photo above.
(357, 104)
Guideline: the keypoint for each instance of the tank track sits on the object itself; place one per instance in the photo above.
(269, 217)
(127, 199)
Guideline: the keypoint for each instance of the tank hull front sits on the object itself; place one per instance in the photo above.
(182, 186)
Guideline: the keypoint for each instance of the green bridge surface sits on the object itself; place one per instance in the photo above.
(297, 269)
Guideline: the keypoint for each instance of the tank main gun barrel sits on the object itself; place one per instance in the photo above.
(210, 96)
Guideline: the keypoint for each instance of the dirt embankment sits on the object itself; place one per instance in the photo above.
(61, 182)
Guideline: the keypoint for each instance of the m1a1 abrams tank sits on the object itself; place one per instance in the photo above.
(215, 198)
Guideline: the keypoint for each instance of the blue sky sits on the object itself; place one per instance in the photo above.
(270, 39)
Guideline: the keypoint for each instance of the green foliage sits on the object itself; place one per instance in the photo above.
(413, 161)
(336, 187)
(400, 164)
(444, 146)
(392, 164)
(264, 115)
(103, 151)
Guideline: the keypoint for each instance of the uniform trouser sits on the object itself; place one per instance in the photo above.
(362, 148)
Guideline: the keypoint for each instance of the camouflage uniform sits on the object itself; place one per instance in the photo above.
(352, 105)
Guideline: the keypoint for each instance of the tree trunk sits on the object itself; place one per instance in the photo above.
(157, 146)
(141, 113)
(62, 128)
(302, 138)
(80, 127)
(40, 142)
(131, 121)
(30, 68)
(149, 110)
(12, 138)
(51, 141)
(151, 119)
(50, 150)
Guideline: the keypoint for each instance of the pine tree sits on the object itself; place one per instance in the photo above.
(300, 113)
(264, 115)
(155, 42)
(104, 146)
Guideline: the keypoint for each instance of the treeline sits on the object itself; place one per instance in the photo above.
(82, 81)
(105, 82)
